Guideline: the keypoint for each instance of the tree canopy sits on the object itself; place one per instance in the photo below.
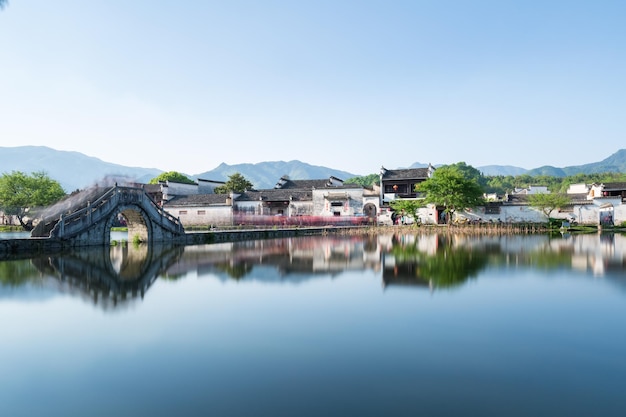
(365, 181)
(20, 192)
(471, 173)
(451, 189)
(407, 207)
(172, 176)
(502, 184)
(547, 203)
(236, 183)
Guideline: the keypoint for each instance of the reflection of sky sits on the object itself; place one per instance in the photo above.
(28, 292)
(511, 340)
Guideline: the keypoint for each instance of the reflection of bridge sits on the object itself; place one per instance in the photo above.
(86, 218)
(93, 272)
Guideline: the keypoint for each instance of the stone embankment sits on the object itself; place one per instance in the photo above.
(34, 246)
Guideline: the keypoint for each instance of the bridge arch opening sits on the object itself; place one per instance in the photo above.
(136, 221)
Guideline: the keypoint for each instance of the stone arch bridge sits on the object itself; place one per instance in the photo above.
(85, 219)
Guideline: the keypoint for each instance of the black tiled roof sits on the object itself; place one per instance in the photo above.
(152, 188)
(198, 200)
(303, 184)
(276, 195)
(525, 199)
(288, 184)
(614, 186)
(405, 174)
(578, 198)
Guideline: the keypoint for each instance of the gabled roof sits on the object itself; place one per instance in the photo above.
(276, 195)
(285, 183)
(405, 174)
(578, 199)
(517, 198)
(302, 184)
(211, 181)
(152, 188)
(614, 186)
(198, 200)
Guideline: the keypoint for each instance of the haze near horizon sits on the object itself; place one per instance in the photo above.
(350, 85)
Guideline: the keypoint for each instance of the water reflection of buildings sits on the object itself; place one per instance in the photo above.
(599, 254)
(118, 276)
(280, 260)
(447, 260)
(603, 254)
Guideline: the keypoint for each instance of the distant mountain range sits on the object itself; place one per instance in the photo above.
(614, 163)
(266, 174)
(75, 170)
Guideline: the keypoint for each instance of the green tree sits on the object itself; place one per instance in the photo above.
(172, 176)
(236, 183)
(547, 203)
(365, 181)
(20, 192)
(471, 173)
(451, 189)
(407, 207)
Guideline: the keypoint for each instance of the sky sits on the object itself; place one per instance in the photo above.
(350, 85)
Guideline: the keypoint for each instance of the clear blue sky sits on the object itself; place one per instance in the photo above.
(352, 85)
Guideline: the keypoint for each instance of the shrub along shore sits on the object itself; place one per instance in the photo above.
(482, 229)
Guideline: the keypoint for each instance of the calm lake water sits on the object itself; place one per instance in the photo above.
(393, 325)
(119, 236)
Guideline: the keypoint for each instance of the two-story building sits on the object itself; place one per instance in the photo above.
(401, 183)
(291, 200)
(397, 184)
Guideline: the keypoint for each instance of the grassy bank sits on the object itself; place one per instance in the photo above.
(5, 228)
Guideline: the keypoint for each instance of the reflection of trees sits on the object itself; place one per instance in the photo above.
(447, 266)
(236, 271)
(18, 272)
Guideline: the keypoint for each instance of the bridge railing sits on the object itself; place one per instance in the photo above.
(175, 223)
(101, 207)
(75, 222)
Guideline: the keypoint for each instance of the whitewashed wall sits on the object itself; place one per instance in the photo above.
(352, 205)
(202, 215)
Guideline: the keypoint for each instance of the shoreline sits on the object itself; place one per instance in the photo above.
(37, 246)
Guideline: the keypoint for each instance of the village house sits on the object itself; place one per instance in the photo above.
(168, 190)
(201, 209)
(533, 189)
(291, 200)
(401, 183)
(608, 206)
(299, 201)
(590, 204)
